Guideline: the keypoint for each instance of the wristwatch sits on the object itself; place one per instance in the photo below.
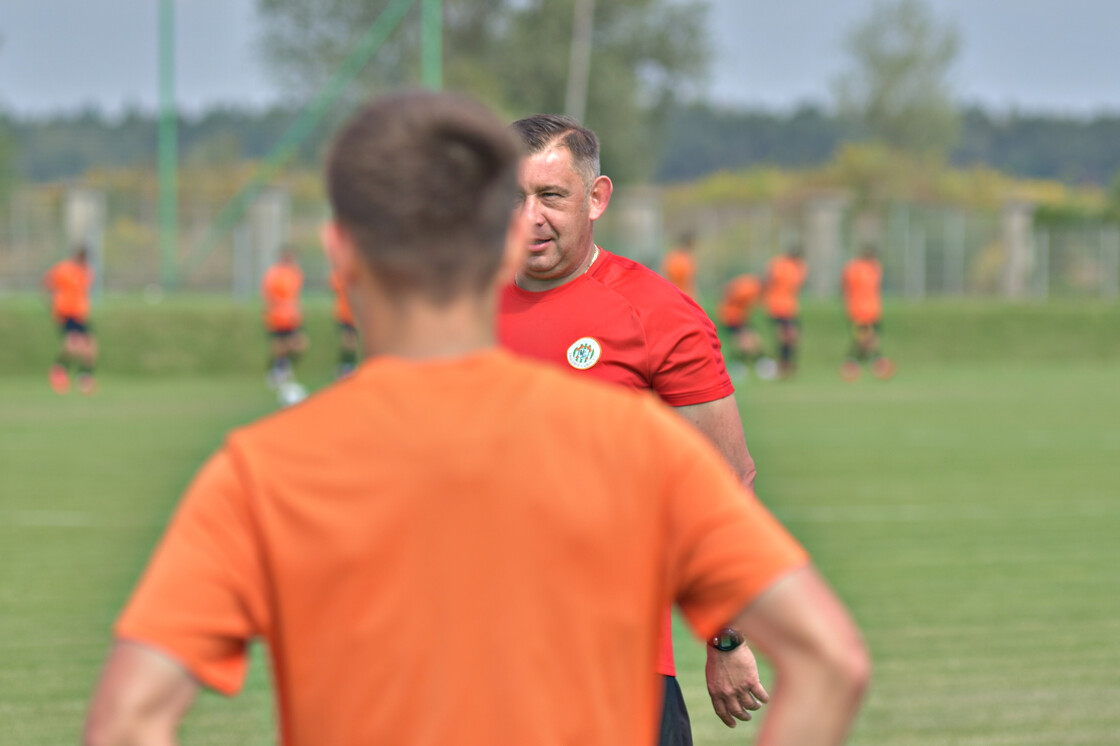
(726, 640)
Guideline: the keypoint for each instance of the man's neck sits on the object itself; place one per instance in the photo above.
(420, 331)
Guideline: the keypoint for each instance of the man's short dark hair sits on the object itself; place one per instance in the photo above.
(425, 184)
(543, 131)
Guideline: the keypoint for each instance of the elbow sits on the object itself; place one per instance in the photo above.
(849, 667)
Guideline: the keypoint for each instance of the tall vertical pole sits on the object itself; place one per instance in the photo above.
(432, 44)
(579, 63)
(168, 147)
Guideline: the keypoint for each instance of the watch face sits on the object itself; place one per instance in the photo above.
(726, 640)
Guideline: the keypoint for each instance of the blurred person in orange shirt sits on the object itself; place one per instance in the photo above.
(454, 542)
(283, 318)
(861, 284)
(736, 307)
(68, 284)
(679, 266)
(784, 278)
(347, 332)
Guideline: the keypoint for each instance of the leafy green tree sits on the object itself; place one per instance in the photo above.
(514, 54)
(897, 84)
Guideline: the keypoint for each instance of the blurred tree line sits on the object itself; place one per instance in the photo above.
(648, 61)
(697, 140)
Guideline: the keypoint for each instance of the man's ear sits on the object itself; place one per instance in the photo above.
(340, 250)
(517, 245)
(601, 190)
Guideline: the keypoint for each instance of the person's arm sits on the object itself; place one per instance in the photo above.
(821, 664)
(733, 681)
(140, 699)
(721, 423)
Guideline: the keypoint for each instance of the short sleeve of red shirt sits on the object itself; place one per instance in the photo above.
(200, 598)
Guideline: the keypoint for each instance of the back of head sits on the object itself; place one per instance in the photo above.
(425, 184)
(541, 132)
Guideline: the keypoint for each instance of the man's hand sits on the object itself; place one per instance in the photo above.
(733, 684)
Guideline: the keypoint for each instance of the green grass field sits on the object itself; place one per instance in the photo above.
(968, 511)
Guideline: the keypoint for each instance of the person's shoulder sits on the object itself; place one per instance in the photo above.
(636, 281)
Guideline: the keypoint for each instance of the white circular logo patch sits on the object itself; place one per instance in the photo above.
(584, 353)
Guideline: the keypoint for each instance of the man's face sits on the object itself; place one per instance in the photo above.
(559, 209)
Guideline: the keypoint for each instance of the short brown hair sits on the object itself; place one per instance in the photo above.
(425, 184)
(542, 131)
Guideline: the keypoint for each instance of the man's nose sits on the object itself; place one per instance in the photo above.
(532, 210)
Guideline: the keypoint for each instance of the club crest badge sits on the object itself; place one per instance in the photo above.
(584, 353)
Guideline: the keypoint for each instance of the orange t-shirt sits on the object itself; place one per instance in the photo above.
(280, 288)
(342, 312)
(457, 551)
(739, 298)
(680, 269)
(784, 278)
(69, 283)
(861, 281)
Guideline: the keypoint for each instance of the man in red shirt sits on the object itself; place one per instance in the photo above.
(860, 283)
(68, 284)
(456, 544)
(596, 314)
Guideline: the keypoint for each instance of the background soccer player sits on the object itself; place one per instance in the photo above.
(861, 284)
(347, 332)
(283, 317)
(68, 284)
(578, 306)
(740, 295)
(784, 277)
(456, 545)
(679, 266)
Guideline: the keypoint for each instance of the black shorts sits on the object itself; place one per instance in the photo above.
(284, 333)
(781, 322)
(874, 327)
(345, 326)
(69, 324)
(676, 730)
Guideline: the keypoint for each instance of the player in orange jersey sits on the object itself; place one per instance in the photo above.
(347, 332)
(455, 544)
(784, 278)
(679, 266)
(861, 284)
(740, 295)
(68, 284)
(283, 317)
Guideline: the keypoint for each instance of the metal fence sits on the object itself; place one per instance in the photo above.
(926, 250)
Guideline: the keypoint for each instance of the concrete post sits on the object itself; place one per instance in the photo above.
(1017, 227)
(823, 244)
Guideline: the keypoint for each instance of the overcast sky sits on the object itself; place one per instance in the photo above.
(1039, 55)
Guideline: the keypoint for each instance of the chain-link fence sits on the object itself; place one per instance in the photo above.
(926, 250)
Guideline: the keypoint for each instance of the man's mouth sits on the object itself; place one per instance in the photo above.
(539, 244)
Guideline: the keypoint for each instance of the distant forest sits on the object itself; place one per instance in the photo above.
(696, 141)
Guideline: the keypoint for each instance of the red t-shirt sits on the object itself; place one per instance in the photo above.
(624, 323)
